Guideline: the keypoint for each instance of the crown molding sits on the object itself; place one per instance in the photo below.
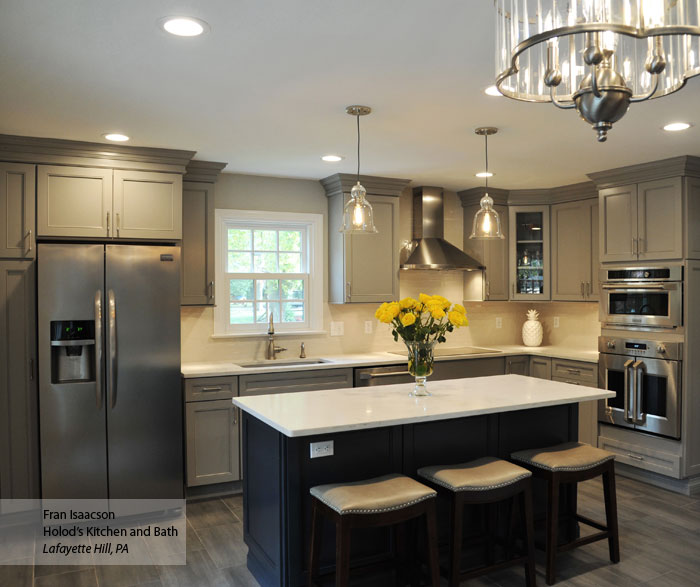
(567, 193)
(473, 196)
(341, 183)
(63, 152)
(686, 165)
(203, 171)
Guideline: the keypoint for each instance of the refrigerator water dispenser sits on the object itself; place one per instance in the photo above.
(72, 351)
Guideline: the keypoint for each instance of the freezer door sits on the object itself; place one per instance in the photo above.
(144, 397)
(72, 412)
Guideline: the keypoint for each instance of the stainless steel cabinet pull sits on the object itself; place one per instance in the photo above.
(29, 236)
(488, 289)
(211, 290)
(118, 224)
(583, 290)
(574, 371)
(235, 416)
(348, 292)
(589, 287)
(635, 457)
(626, 384)
(539, 362)
(207, 389)
(377, 375)
(113, 351)
(31, 369)
(98, 348)
(109, 228)
(513, 288)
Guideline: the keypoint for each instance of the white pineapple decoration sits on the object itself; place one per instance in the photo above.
(532, 329)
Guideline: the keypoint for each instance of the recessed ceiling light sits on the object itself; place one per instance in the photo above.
(492, 91)
(184, 26)
(332, 158)
(484, 174)
(676, 126)
(116, 137)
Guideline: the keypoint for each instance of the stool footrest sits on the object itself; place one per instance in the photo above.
(591, 523)
(478, 572)
(583, 541)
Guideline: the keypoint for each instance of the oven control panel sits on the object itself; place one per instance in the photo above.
(634, 347)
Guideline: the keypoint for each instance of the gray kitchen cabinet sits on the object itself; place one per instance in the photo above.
(74, 201)
(581, 373)
(19, 451)
(529, 260)
(147, 205)
(17, 233)
(493, 254)
(541, 367)
(518, 365)
(212, 431)
(575, 263)
(642, 222)
(102, 203)
(197, 268)
(364, 268)
(291, 381)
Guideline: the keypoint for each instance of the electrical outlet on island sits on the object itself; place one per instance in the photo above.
(321, 449)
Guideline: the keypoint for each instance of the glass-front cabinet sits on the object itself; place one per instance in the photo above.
(529, 253)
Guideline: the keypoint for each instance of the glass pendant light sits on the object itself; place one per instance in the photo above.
(487, 224)
(357, 214)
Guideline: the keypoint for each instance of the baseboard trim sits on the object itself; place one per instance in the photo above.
(690, 486)
(215, 490)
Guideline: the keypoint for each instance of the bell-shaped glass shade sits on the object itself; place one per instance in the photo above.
(487, 223)
(357, 214)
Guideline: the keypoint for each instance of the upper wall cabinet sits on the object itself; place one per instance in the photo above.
(575, 251)
(364, 267)
(17, 204)
(529, 253)
(197, 267)
(101, 203)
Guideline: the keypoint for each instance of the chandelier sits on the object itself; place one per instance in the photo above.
(596, 56)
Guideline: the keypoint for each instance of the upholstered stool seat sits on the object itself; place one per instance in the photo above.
(388, 500)
(480, 475)
(381, 494)
(484, 481)
(570, 456)
(573, 462)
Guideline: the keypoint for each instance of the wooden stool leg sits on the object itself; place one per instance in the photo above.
(491, 521)
(529, 536)
(456, 545)
(431, 527)
(342, 552)
(611, 512)
(552, 527)
(316, 530)
(401, 559)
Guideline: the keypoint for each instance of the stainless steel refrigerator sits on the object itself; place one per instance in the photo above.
(109, 366)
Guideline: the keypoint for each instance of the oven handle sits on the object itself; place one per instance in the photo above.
(628, 395)
(639, 417)
(641, 287)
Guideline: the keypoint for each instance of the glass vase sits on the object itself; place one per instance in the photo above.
(420, 364)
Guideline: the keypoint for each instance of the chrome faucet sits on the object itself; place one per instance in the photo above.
(272, 349)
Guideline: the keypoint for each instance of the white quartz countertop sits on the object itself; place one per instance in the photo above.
(220, 369)
(340, 410)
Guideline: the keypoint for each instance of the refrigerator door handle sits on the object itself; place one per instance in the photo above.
(112, 335)
(98, 348)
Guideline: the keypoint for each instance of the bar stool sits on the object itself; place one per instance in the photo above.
(382, 501)
(484, 481)
(573, 462)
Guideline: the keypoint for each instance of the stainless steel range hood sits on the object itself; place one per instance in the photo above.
(431, 250)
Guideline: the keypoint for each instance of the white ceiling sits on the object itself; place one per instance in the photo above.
(265, 90)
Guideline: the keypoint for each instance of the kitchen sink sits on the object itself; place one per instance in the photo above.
(288, 363)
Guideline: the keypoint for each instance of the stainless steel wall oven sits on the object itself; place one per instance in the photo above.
(646, 375)
(642, 297)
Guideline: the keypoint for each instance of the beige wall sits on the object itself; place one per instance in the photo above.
(579, 325)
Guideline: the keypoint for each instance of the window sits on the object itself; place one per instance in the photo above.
(268, 264)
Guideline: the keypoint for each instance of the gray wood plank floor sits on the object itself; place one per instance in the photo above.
(659, 536)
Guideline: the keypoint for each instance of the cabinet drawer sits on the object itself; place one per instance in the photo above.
(209, 388)
(642, 457)
(583, 373)
(264, 383)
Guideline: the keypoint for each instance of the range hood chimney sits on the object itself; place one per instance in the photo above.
(431, 250)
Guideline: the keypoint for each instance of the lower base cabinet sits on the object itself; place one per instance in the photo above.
(212, 431)
(518, 365)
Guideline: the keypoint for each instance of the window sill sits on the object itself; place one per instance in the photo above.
(265, 335)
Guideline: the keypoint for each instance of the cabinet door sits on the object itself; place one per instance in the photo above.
(594, 283)
(571, 251)
(518, 365)
(19, 451)
(618, 223)
(197, 269)
(660, 219)
(496, 261)
(147, 205)
(541, 367)
(372, 260)
(17, 205)
(212, 442)
(73, 201)
(529, 253)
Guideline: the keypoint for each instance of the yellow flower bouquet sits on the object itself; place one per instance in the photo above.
(421, 324)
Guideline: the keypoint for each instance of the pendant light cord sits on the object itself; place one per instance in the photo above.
(486, 144)
(358, 147)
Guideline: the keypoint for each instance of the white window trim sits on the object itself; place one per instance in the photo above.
(314, 227)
